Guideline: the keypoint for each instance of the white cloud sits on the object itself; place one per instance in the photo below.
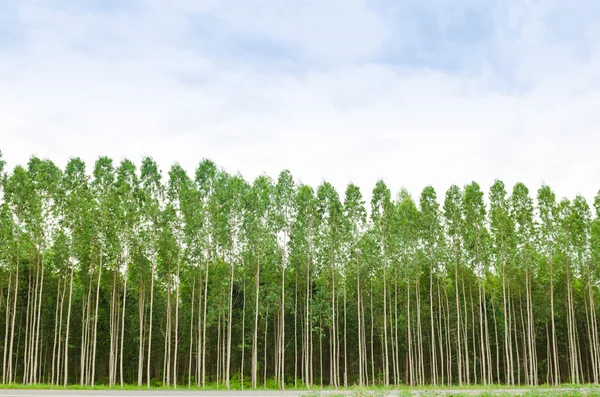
(126, 86)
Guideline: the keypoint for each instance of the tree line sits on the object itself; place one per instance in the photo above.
(123, 275)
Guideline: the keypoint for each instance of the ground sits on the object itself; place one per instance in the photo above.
(555, 392)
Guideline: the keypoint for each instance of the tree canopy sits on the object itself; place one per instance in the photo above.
(114, 274)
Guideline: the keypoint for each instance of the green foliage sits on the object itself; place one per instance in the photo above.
(503, 287)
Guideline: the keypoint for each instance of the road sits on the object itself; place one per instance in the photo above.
(260, 393)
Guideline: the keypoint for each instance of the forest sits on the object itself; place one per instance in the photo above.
(123, 275)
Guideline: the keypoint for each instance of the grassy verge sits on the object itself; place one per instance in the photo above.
(492, 393)
(355, 391)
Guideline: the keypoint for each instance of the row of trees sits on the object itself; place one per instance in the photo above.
(131, 276)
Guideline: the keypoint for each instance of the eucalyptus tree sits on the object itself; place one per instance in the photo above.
(45, 179)
(454, 223)
(302, 248)
(593, 274)
(18, 192)
(382, 218)
(299, 283)
(523, 216)
(476, 239)
(60, 261)
(205, 182)
(568, 241)
(105, 208)
(503, 240)
(122, 208)
(232, 213)
(330, 212)
(547, 239)
(127, 191)
(169, 256)
(370, 250)
(192, 243)
(576, 224)
(179, 193)
(355, 216)
(584, 249)
(152, 195)
(284, 207)
(433, 249)
(226, 214)
(9, 263)
(77, 202)
(407, 233)
(258, 224)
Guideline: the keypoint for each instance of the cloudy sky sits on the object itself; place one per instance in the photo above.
(416, 92)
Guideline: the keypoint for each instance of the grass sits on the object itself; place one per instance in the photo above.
(355, 391)
(497, 393)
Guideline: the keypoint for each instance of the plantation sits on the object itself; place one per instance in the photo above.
(117, 276)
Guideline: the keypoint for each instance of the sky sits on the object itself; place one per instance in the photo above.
(414, 92)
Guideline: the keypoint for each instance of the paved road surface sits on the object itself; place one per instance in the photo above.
(250, 393)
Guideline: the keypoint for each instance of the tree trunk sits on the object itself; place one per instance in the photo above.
(96, 319)
(176, 321)
(243, 332)
(123, 327)
(150, 326)
(255, 335)
(229, 324)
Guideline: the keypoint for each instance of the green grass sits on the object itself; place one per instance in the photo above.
(355, 391)
(497, 393)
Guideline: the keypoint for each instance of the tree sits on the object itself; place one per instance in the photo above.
(546, 241)
(433, 243)
(152, 194)
(288, 283)
(355, 216)
(330, 214)
(128, 218)
(284, 198)
(381, 216)
(476, 239)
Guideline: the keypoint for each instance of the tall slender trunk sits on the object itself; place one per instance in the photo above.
(372, 344)
(123, 324)
(386, 373)
(141, 312)
(204, 325)
(191, 333)
(296, 332)
(176, 321)
(229, 324)
(359, 322)
(434, 374)
(282, 316)
(12, 326)
(334, 361)
(243, 332)
(7, 322)
(55, 331)
(265, 352)
(308, 361)
(111, 361)
(96, 319)
(150, 325)
(255, 334)
(459, 346)
(410, 361)
(60, 327)
(345, 340)
(37, 333)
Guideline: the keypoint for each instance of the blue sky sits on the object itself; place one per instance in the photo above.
(414, 92)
